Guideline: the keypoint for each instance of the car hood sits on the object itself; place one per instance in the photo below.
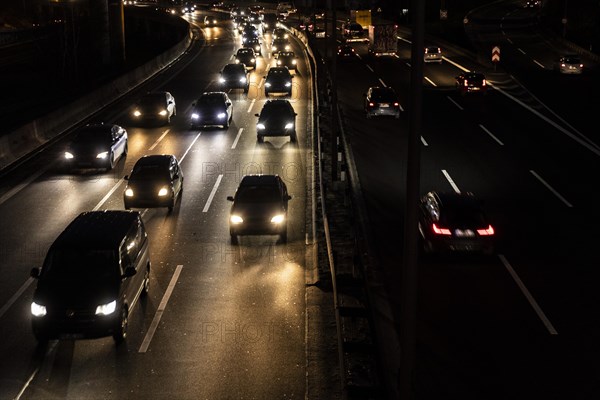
(276, 119)
(257, 209)
(89, 147)
(147, 184)
(212, 109)
(76, 293)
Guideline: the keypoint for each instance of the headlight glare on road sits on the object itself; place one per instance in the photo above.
(102, 155)
(38, 310)
(289, 125)
(68, 155)
(129, 192)
(106, 309)
(163, 112)
(163, 192)
(260, 126)
(277, 219)
(257, 48)
(236, 219)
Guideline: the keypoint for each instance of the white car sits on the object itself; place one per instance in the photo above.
(433, 54)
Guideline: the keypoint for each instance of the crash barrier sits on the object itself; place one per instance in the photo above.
(26, 141)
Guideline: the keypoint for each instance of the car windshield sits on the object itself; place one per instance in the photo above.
(463, 215)
(572, 60)
(242, 52)
(383, 95)
(153, 100)
(213, 100)
(286, 54)
(276, 108)
(93, 135)
(232, 69)
(150, 172)
(81, 264)
(355, 27)
(432, 50)
(257, 194)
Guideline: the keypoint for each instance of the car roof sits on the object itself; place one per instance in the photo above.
(234, 67)
(279, 70)
(98, 127)
(101, 229)
(451, 199)
(260, 180)
(154, 159)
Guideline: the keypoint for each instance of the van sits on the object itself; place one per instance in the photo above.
(92, 277)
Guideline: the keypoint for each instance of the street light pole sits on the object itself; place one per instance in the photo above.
(333, 71)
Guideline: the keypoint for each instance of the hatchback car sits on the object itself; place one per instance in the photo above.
(260, 206)
(287, 59)
(254, 44)
(235, 76)
(570, 64)
(155, 107)
(249, 32)
(382, 101)
(280, 44)
(246, 56)
(97, 146)
(471, 82)
(278, 80)
(454, 222)
(433, 54)
(346, 52)
(155, 181)
(277, 118)
(212, 109)
(92, 277)
(280, 33)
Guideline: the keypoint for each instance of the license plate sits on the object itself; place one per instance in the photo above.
(464, 233)
(71, 336)
(384, 105)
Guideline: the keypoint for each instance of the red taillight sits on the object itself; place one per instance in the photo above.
(580, 65)
(489, 231)
(562, 65)
(440, 231)
(396, 104)
(466, 83)
(483, 83)
(371, 104)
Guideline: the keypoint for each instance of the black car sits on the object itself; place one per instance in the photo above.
(155, 107)
(287, 59)
(260, 206)
(246, 56)
(249, 32)
(471, 82)
(280, 33)
(254, 43)
(278, 80)
(92, 277)
(239, 23)
(97, 146)
(269, 21)
(277, 118)
(280, 44)
(454, 222)
(346, 52)
(212, 109)
(382, 101)
(155, 181)
(235, 76)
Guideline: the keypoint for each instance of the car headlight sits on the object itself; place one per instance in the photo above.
(106, 309)
(243, 80)
(68, 155)
(285, 36)
(266, 26)
(278, 62)
(214, 21)
(253, 60)
(289, 125)
(237, 61)
(38, 310)
(260, 126)
(163, 112)
(274, 48)
(129, 192)
(221, 115)
(287, 47)
(163, 191)
(268, 84)
(293, 62)
(236, 219)
(257, 48)
(288, 84)
(277, 219)
(244, 40)
(137, 113)
(195, 116)
(221, 80)
(102, 155)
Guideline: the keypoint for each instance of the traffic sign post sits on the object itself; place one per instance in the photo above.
(495, 56)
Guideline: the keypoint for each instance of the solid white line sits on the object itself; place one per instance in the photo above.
(404, 40)
(551, 188)
(260, 83)
(455, 103)
(23, 185)
(447, 175)
(430, 81)
(159, 139)
(528, 295)
(395, 55)
(521, 50)
(540, 64)
(212, 193)
(457, 65)
(370, 69)
(18, 396)
(423, 141)
(237, 138)
(509, 41)
(382, 82)
(107, 196)
(359, 57)
(400, 107)
(160, 310)
(251, 105)
(408, 65)
(188, 149)
(503, 33)
(15, 296)
(491, 134)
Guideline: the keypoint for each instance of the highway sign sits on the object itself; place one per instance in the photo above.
(496, 54)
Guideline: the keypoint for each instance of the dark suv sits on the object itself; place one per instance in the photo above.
(278, 80)
(277, 118)
(93, 275)
(287, 59)
(235, 76)
(246, 56)
(259, 207)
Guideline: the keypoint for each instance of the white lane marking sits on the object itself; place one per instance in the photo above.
(395, 55)
(530, 299)
(251, 105)
(521, 50)
(237, 138)
(405, 40)
(408, 65)
(423, 141)
(447, 175)
(430, 81)
(491, 134)
(188, 149)
(457, 65)
(260, 83)
(212, 193)
(159, 139)
(503, 33)
(540, 64)
(382, 82)
(26, 385)
(551, 188)
(509, 41)
(455, 103)
(359, 57)
(370, 69)
(159, 311)
(400, 107)
(23, 185)
(107, 196)
(15, 296)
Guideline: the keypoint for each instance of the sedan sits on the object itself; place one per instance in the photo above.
(155, 106)
(278, 80)
(471, 82)
(212, 109)
(235, 76)
(97, 146)
(260, 206)
(155, 181)
(454, 222)
(433, 54)
(277, 118)
(346, 52)
(246, 56)
(209, 21)
(287, 59)
(254, 43)
(570, 64)
(382, 101)
(278, 45)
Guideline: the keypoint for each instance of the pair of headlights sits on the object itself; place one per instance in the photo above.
(219, 115)
(138, 113)
(276, 219)
(261, 127)
(102, 156)
(287, 84)
(161, 193)
(38, 310)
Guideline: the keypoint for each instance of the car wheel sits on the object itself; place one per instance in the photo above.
(121, 330)
(146, 284)
(233, 239)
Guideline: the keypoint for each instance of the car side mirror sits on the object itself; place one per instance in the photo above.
(295, 113)
(35, 273)
(126, 178)
(256, 115)
(129, 271)
(229, 198)
(289, 197)
(176, 176)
